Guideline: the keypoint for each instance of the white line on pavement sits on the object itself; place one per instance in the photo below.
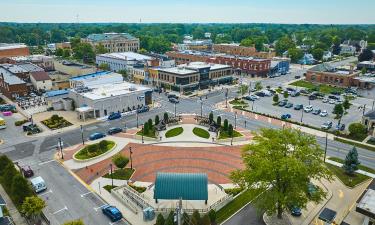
(97, 208)
(50, 191)
(60, 210)
(83, 195)
(45, 162)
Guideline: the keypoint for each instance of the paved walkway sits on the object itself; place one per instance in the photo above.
(13, 212)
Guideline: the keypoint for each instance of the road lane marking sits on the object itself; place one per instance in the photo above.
(45, 162)
(97, 208)
(83, 195)
(60, 210)
(50, 191)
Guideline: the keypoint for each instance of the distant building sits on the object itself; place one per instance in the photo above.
(73, 68)
(194, 75)
(11, 85)
(41, 80)
(114, 42)
(307, 59)
(45, 62)
(347, 49)
(207, 35)
(104, 77)
(197, 45)
(368, 65)
(10, 50)
(326, 74)
(327, 55)
(124, 60)
(279, 66)
(236, 49)
(246, 65)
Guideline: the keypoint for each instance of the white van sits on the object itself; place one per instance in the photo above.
(38, 184)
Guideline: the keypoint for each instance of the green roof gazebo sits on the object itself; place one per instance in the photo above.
(185, 186)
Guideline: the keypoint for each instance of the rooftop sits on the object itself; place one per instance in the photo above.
(13, 68)
(326, 67)
(56, 93)
(366, 203)
(128, 56)
(108, 36)
(370, 114)
(30, 67)
(103, 91)
(6, 46)
(40, 76)
(188, 186)
(91, 75)
(10, 78)
(193, 67)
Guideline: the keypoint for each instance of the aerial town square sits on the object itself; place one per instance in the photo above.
(187, 112)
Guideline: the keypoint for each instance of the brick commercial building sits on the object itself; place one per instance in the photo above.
(114, 42)
(10, 50)
(11, 85)
(246, 65)
(326, 74)
(236, 49)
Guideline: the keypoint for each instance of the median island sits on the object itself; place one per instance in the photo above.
(94, 150)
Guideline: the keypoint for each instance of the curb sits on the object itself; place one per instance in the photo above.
(96, 157)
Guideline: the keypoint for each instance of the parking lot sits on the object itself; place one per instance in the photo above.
(265, 105)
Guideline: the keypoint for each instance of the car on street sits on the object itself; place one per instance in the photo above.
(332, 101)
(295, 210)
(323, 113)
(333, 97)
(112, 213)
(260, 94)
(174, 100)
(289, 105)
(286, 116)
(316, 111)
(298, 106)
(282, 103)
(308, 108)
(340, 127)
(114, 130)
(38, 184)
(172, 96)
(303, 91)
(114, 116)
(96, 136)
(326, 125)
(143, 109)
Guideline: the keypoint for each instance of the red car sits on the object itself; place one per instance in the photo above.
(27, 171)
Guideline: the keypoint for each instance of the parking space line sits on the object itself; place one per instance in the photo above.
(50, 191)
(60, 210)
(45, 162)
(97, 208)
(83, 195)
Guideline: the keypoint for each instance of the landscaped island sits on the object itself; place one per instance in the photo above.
(56, 122)
(94, 150)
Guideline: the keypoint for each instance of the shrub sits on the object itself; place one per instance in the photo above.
(157, 120)
(20, 122)
(55, 117)
(20, 189)
(357, 130)
(145, 128)
(7, 178)
(218, 121)
(149, 123)
(165, 117)
(103, 144)
(120, 161)
(212, 215)
(230, 130)
(225, 125)
(4, 162)
(211, 117)
(92, 148)
(160, 220)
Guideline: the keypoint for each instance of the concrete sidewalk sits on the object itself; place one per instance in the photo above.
(16, 216)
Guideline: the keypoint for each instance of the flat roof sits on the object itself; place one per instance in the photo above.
(6, 46)
(10, 78)
(108, 36)
(128, 56)
(103, 91)
(30, 67)
(193, 67)
(90, 75)
(56, 93)
(13, 68)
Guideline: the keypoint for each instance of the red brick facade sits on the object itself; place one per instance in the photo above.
(11, 91)
(14, 52)
(257, 67)
(242, 51)
(331, 78)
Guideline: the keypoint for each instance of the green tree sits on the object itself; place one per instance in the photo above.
(185, 219)
(205, 220)
(104, 66)
(8, 174)
(150, 123)
(346, 104)
(157, 120)
(225, 125)
(165, 117)
(211, 117)
(230, 130)
(338, 110)
(218, 121)
(4, 162)
(212, 215)
(366, 55)
(20, 189)
(247, 42)
(160, 220)
(100, 49)
(66, 53)
(195, 218)
(351, 161)
(295, 54)
(286, 94)
(146, 128)
(170, 219)
(103, 144)
(258, 86)
(357, 130)
(318, 53)
(84, 52)
(32, 207)
(142, 51)
(244, 89)
(280, 164)
(74, 222)
(123, 73)
(283, 44)
(120, 161)
(275, 98)
(59, 52)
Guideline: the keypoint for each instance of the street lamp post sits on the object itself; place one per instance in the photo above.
(110, 165)
(226, 99)
(364, 110)
(245, 123)
(83, 140)
(60, 146)
(302, 116)
(252, 106)
(235, 120)
(201, 108)
(175, 114)
(131, 160)
(373, 104)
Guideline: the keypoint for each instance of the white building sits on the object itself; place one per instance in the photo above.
(121, 60)
(347, 49)
(103, 99)
(41, 80)
(104, 77)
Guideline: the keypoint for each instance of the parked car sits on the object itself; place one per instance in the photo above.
(295, 210)
(112, 213)
(174, 100)
(114, 130)
(340, 127)
(332, 101)
(325, 100)
(335, 93)
(260, 94)
(312, 97)
(323, 113)
(295, 93)
(27, 171)
(251, 97)
(298, 107)
(316, 111)
(326, 125)
(38, 184)
(114, 116)
(286, 116)
(172, 96)
(297, 77)
(308, 108)
(96, 136)
(282, 103)
(303, 91)
(289, 105)
(143, 109)
(333, 97)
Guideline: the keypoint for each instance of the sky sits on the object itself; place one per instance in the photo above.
(190, 11)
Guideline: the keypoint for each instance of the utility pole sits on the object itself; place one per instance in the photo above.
(245, 123)
(302, 116)
(110, 165)
(373, 103)
(175, 114)
(61, 148)
(364, 109)
(201, 108)
(325, 149)
(137, 118)
(83, 140)
(226, 99)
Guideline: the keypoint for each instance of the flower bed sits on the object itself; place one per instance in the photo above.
(120, 174)
(174, 132)
(56, 122)
(94, 150)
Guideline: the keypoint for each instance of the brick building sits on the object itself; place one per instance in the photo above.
(11, 50)
(114, 42)
(11, 85)
(326, 74)
(236, 49)
(247, 65)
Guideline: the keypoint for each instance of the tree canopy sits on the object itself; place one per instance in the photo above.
(280, 164)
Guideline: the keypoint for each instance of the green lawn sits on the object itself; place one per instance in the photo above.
(364, 168)
(233, 206)
(239, 102)
(201, 132)
(318, 87)
(359, 145)
(371, 142)
(350, 181)
(138, 189)
(121, 174)
(85, 154)
(109, 187)
(225, 135)
(174, 132)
